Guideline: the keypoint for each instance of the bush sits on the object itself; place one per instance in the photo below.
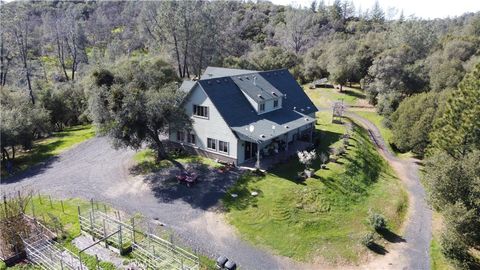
(377, 221)
(455, 249)
(367, 239)
(3, 266)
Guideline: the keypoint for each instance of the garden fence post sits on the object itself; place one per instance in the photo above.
(63, 208)
(91, 226)
(105, 208)
(33, 209)
(79, 217)
(97, 263)
(40, 198)
(105, 233)
(80, 260)
(61, 264)
(50, 198)
(133, 229)
(120, 239)
(91, 202)
(5, 205)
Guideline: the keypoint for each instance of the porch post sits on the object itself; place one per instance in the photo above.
(311, 134)
(286, 142)
(257, 164)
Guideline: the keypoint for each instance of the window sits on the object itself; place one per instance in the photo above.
(275, 103)
(201, 111)
(211, 144)
(262, 107)
(191, 138)
(223, 146)
(180, 136)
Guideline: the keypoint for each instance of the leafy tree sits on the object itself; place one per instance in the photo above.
(66, 103)
(457, 131)
(142, 104)
(273, 58)
(454, 189)
(21, 122)
(412, 121)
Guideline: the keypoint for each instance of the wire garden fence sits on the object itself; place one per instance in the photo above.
(134, 235)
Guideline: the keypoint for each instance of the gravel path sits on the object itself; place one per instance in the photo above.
(415, 252)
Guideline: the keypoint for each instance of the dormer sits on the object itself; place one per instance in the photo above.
(263, 96)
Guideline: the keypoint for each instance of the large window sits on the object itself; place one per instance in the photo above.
(201, 111)
(191, 138)
(211, 144)
(180, 136)
(223, 146)
(275, 103)
(262, 107)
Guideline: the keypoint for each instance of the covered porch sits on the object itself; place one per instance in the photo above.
(265, 154)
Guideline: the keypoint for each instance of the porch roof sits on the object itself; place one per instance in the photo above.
(263, 129)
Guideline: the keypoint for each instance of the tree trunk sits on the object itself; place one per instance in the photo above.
(341, 88)
(158, 147)
(13, 151)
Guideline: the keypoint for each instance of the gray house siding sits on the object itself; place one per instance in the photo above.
(213, 127)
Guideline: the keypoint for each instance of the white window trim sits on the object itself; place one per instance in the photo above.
(216, 145)
(199, 116)
(228, 147)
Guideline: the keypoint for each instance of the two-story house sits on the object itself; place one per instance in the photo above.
(244, 115)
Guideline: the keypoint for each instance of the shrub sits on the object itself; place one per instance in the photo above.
(377, 221)
(455, 249)
(3, 266)
(367, 239)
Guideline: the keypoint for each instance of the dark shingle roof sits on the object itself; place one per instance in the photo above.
(256, 87)
(239, 114)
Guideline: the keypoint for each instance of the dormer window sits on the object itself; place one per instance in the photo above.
(261, 107)
(275, 103)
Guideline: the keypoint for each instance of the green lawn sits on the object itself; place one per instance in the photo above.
(324, 215)
(325, 97)
(437, 259)
(57, 143)
(146, 163)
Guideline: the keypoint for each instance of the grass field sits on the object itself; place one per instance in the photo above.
(326, 214)
(325, 97)
(146, 163)
(57, 143)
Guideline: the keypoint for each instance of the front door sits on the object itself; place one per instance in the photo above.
(250, 150)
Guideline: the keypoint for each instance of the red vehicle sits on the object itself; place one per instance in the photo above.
(187, 177)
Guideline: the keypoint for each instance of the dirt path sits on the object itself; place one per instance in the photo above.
(414, 252)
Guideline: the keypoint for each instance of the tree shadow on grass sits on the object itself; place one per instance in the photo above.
(353, 94)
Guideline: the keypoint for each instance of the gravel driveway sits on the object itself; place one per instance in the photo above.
(415, 253)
